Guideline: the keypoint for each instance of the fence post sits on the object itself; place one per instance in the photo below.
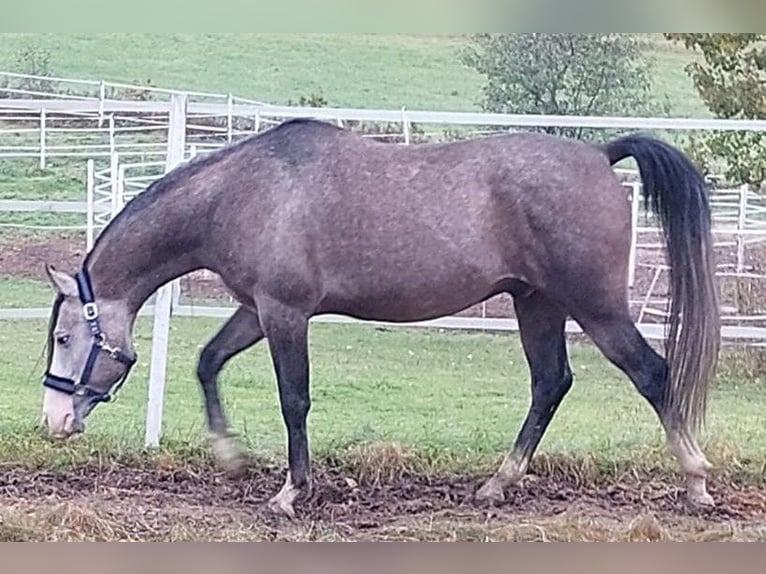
(634, 204)
(162, 305)
(229, 117)
(42, 137)
(90, 222)
(406, 127)
(101, 98)
(120, 188)
(741, 223)
(112, 143)
(114, 183)
(175, 296)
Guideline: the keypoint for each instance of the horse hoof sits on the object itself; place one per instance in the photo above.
(278, 505)
(236, 470)
(282, 502)
(490, 492)
(701, 500)
(229, 455)
(697, 493)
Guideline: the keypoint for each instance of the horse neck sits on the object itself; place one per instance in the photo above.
(145, 249)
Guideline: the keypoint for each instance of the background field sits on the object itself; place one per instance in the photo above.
(353, 70)
(415, 419)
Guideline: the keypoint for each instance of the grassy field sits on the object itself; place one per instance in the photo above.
(361, 70)
(356, 70)
(458, 399)
(19, 293)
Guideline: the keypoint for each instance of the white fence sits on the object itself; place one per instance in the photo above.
(130, 143)
(120, 164)
(88, 119)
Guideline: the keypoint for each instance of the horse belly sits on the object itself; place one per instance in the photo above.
(410, 296)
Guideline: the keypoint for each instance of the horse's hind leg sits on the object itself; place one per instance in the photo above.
(621, 342)
(240, 332)
(541, 326)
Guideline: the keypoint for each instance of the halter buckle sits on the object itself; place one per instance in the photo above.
(90, 311)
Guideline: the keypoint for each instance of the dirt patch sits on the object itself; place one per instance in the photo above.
(127, 503)
(26, 255)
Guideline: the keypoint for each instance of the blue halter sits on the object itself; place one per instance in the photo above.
(91, 314)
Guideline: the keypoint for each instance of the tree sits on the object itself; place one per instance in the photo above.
(33, 60)
(731, 79)
(563, 74)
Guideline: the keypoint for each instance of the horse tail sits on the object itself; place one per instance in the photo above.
(676, 192)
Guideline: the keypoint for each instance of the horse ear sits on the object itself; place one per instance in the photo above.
(64, 283)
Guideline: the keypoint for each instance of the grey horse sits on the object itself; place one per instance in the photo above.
(308, 218)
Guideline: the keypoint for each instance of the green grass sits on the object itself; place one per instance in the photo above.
(359, 70)
(670, 79)
(457, 399)
(349, 69)
(63, 178)
(20, 293)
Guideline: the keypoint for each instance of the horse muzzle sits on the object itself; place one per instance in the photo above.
(60, 417)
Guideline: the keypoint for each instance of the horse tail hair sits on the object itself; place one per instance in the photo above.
(676, 192)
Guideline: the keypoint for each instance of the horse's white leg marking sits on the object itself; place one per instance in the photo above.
(283, 501)
(228, 452)
(694, 464)
(512, 470)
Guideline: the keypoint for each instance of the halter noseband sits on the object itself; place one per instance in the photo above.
(91, 314)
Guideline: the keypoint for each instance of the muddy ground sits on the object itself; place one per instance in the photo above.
(191, 503)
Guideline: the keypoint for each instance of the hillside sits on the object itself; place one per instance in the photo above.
(356, 70)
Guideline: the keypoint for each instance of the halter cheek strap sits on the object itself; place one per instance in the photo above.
(91, 315)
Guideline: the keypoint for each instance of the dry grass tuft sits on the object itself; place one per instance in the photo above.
(383, 462)
(63, 521)
(584, 470)
(646, 528)
(569, 527)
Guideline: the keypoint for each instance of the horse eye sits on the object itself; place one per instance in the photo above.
(63, 339)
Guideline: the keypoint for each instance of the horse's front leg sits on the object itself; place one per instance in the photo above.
(240, 332)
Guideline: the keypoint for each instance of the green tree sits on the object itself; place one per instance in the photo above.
(35, 61)
(731, 79)
(563, 74)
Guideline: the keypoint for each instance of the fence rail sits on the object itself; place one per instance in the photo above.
(653, 331)
(382, 115)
